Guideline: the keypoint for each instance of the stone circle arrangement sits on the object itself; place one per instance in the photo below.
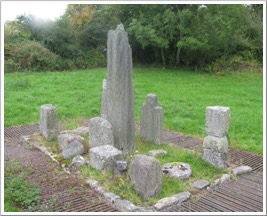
(112, 136)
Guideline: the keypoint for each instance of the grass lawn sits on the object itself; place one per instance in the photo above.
(184, 95)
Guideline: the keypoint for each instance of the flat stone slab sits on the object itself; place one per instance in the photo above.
(157, 153)
(177, 170)
(173, 200)
(200, 184)
(104, 157)
(242, 170)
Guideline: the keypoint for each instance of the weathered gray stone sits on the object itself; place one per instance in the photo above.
(71, 145)
(164, 203)
(81, 131)
(225, 178)
(100, 132)
(125, 205)
(151, 125)
(215, 144)
(120, 94)
(173, 200)
(104, 157)
(92, 183)
(215, 158)
(157, 153)
(217, 120)
(200, 184)
(219, 144)
(121, 166)
(48, 122)
(104, 100)
(146, 176)
(177, 170)
(181, 197)
(111, 197)
(242, 170)
(78, 161)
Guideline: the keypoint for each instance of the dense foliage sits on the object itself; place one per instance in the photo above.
(212, 37)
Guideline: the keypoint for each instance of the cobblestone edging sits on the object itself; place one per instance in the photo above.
(125, 205)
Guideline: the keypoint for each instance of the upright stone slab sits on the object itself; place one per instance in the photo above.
(217, 120)
(215, 144)
(146, 176)
(151, 127)
(104, 100)
(120, 94)
(48, 122)
(100, 132)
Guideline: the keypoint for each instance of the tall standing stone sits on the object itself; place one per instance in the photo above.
(120, 95)
(104, 100)
(151, 127)
(48, 122)
(215, 144)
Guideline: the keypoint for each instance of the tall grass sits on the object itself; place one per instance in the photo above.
(184, 96)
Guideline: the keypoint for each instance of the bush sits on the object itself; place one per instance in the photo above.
(29, 56)
(233, 64)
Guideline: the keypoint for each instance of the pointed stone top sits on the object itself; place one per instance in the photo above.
(152, 100)
(120, 27)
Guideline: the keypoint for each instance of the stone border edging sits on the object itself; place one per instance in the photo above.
(127, 206)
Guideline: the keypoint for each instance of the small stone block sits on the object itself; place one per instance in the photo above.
(121, 166)
(225, 178)
(164, 203)
(157, 153)
(71, 145)
(242, 170)
(104, 157)
(200, 184)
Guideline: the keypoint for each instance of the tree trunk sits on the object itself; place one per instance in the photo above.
(178, 56)
(163, 57)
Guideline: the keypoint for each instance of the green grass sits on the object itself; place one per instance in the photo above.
(19, 194)
(184, 95)
(122, 186)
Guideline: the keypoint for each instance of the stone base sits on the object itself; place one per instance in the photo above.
(218, 159)
(104, 157)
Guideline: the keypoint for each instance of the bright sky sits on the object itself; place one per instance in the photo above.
(45, 10)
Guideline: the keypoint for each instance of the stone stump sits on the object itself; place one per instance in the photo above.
(120, 94)
(104, 100)
(146, 176)
(70, 145)
(100, 132)
(48, 122)
(215, 144)
(104, 157)
(151, 126)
